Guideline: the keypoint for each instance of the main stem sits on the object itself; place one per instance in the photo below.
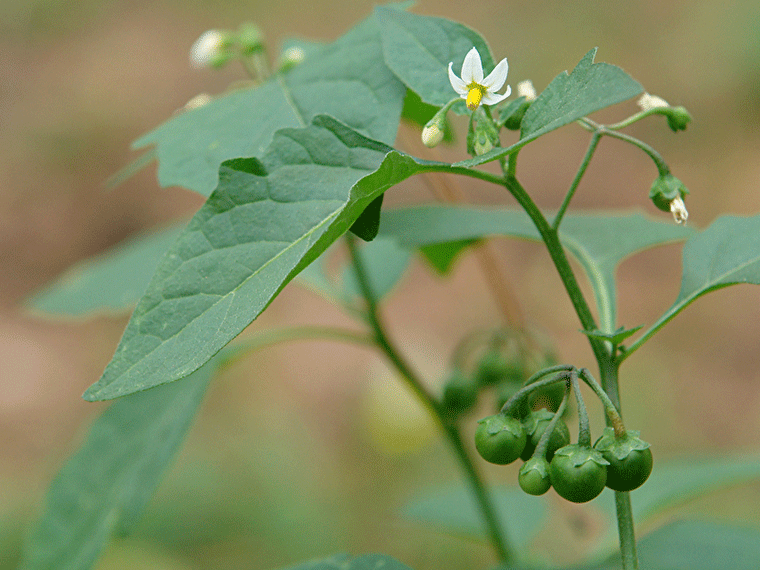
(608, 367)
(495, 531)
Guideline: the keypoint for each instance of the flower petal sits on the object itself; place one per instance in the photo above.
(493, 98)
(472, 68)
(497, 77)
(458, 85)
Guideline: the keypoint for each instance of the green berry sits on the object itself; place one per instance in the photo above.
(535, 424)
(459, 394)
(500, 439)
(630, 459)
(534, 476)
(578, 473)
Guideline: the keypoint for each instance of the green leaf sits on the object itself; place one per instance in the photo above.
(599, 243)
(367, 224)
(344, 562)
(103, 488)
(419, 48)
(726, 253)
(696, 545)
(347, 79)
(267, 220)
(454, 510)
(588, 88)
(114, 280)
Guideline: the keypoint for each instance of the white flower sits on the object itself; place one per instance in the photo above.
(647, 102)
(206, 48)
(198, 101)
(526, 89)
(473, 88)
(678, 209)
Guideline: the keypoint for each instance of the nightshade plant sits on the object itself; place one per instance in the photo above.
(297, 161)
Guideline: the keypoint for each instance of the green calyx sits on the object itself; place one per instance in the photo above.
(665, 189)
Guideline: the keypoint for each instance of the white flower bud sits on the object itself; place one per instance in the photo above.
(647, 102)
(526, 89)
(293, 55)
(678, 209)
(206, 48)
(432, 134)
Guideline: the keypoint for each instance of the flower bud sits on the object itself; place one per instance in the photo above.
(667, 194)
(250, 39)
(526, 89)
(648, 102)
(678, 118)
(432, 134)
(211, 49)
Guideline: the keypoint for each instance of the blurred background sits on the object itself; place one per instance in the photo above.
(322, 436)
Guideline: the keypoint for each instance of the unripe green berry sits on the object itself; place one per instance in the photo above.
(578, 473)
(499, 439)
(534, 476)
(535, 424)
(630, 459)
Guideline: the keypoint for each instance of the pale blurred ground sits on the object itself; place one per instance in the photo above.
(283, 442)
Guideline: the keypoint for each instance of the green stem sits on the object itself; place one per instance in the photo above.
(596, 137)
(656, 157)
(626, 531)
(550, 237)
(495, 530)
(584, 431)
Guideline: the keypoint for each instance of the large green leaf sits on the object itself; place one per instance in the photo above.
(588, 88)
(419, 48)
(114, 280)
(347, 79)
(267, 220)
(454, 510)
(344, 562)
(103, 489)
(696, 545)
(726, 253)
(599, 243)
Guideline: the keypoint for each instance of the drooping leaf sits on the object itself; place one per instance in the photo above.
(726, 253)
(344, 562)
(599, 243)
(113, 280)
(419, 48)
(696, 545)
(588, 88)
(267, 220)
(103, 488)
(453, 509)
(347, 79)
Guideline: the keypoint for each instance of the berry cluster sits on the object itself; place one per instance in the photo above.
(579, 471)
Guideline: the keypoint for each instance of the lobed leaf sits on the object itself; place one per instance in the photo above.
(103, 488)
(347, 79)
(418, 50)
(588, 88)
(267, 220)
